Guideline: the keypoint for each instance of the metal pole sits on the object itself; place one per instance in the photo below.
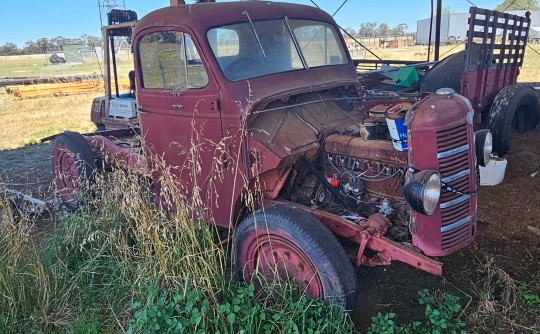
(430, 31)
(115, 70)
(438, 30)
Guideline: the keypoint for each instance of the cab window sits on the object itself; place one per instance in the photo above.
(169, 60)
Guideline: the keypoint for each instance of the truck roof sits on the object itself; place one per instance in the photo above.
(199, 18)
(202, 16)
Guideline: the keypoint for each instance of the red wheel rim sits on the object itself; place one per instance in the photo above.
(67, 177)
(272, 254)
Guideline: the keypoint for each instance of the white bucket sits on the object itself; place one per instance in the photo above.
(493, 173)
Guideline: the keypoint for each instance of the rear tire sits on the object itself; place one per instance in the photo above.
(515, 106)
(286, 241)
(73, 165)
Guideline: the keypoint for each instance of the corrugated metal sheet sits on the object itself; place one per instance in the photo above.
(455, 25)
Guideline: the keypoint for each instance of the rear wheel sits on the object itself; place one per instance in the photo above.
(285, 242)
(515, 107)
(73, 166)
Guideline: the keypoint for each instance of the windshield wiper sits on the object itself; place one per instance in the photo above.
(245, 13)
(296, 44)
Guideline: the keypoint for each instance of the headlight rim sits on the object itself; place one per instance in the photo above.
(483, 142)
(416, 191)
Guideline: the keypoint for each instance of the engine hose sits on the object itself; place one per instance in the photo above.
(325, 183)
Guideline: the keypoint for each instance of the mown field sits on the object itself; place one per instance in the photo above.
(121, 265)
(26, 121)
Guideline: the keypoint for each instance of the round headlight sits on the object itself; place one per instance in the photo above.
(483, 142)
(423, 191)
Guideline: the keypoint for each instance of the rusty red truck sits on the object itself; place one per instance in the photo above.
(268, 95)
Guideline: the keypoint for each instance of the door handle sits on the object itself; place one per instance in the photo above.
(141, 111)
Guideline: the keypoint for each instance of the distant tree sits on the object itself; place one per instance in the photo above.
(399, 30)
(351, 31)
(42, 45)
(9, 49)
(74, 41)
(30, 47)
(383, 30)
(518, 5)
(368, 29)
(446, 10)
(57, 43)
(93, 41)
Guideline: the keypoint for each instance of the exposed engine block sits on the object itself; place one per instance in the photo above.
(376, 159)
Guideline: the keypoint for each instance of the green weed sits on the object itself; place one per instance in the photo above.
(441, 316)
(528, 298)
(239, 311)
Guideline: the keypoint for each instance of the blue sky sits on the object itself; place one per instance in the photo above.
(21, 21)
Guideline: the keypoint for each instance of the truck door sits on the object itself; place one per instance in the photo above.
(179, 117)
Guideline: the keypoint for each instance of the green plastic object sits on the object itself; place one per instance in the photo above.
(406, 76)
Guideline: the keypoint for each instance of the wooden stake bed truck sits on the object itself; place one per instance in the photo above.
(268, 97)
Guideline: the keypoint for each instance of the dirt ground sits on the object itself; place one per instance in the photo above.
(504, 251)
(27, 170)
(503, 246)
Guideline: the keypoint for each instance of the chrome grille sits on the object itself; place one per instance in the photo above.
(453, 157)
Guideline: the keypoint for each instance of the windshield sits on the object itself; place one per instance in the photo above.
(247, 50)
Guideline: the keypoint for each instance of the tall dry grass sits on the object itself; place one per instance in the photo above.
(123, 263)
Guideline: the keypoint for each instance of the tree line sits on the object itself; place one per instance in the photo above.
(375, 29)
(367, 29)
(44, 45)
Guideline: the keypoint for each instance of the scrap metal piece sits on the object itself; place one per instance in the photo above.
(26, 204)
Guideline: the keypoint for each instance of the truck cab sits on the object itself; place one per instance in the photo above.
(261, 100)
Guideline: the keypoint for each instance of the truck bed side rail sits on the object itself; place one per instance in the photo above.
(494, 53)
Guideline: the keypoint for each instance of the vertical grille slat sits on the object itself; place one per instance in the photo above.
(454, 165)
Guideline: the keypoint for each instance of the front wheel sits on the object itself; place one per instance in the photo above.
(515, 106)
(73, 165)
(281, 242)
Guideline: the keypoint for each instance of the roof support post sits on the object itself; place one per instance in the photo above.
(438, 29)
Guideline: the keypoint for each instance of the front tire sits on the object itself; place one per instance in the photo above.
(515, 106)
(287, 242)
(73, 165)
